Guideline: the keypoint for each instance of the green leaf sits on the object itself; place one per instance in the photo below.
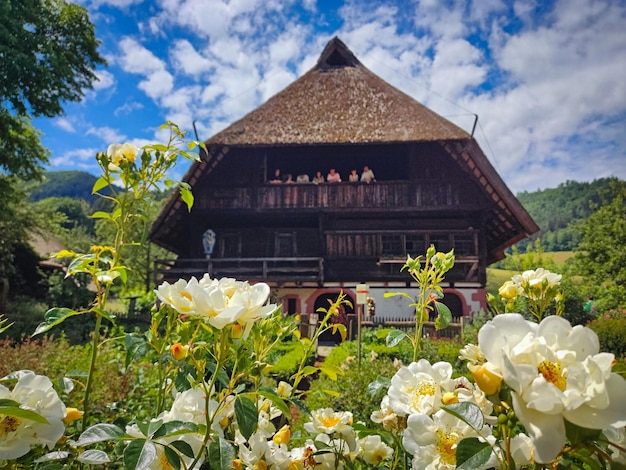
(386, 295)
(342, 330)
(18, 412)
(53, 317)
(175, 428)
(331, 371)
(139, 454)
(136, 347)
(300, 405)
(94, 457)
(172, 457)
(99, 184)
(99, 433)
(104, 314)
(394, 337)
(472, 453)
(379, 384)
(51, 456)
(222, 376)
(100, 215)
(309, 370)
(148, 428)
(577, 434)
(247, 416)
(444, 316)
(186, 196)
(7, 402)
(467, 412)
(276, 399)
(183, 447)
(221, 455)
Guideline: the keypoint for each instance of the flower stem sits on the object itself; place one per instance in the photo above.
(92, 368)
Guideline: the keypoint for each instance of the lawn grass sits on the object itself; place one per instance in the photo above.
(497, 277)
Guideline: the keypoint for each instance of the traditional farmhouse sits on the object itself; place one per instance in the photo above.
(259, 215)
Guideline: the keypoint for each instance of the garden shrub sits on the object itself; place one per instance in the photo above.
(56, 358)
(611, 331)
(25, 314)
(351, 389)
(285, 359)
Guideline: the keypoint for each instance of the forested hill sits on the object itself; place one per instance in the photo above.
(74, 184)
(558, 211)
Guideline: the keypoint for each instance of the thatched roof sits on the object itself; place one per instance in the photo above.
(338, 101)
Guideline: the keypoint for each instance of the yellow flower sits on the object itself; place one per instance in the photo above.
(71, 415)
(179, 351)
(122, 152)
(237, 331)
(449, 398)
(508, 290)
(282, 436)
(238, 464)
(487, 380)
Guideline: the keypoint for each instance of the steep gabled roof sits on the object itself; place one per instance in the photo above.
(338, 101)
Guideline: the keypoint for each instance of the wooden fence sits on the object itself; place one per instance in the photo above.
(308, 324)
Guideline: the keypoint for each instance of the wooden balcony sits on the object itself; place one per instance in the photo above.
(298, 269)
(250, 269)
(396, 195)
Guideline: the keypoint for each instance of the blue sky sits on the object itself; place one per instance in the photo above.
(546, 78)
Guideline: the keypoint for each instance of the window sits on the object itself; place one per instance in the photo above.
(284, 244)
(441, 242)
(391, 245)
(414, 245)
(464, 245)
(231, 245)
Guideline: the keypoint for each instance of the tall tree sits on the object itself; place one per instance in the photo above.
(48, 55)
(601, 255)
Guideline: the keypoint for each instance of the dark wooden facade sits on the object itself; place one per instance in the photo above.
(433, 186)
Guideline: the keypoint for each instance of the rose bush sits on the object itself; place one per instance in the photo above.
(543, 394)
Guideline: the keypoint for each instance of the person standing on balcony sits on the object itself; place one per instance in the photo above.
(333, 176)
(368, 175)
(278, 178)
(318, 178)
(354, 177)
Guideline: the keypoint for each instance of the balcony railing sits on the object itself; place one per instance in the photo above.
(388, 194)
(251, 269)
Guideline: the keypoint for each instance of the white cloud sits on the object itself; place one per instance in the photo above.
(105, 80)
(127, 108)
(547, 85)
(137, 59)
(115, 3)
(107, 134)
(78, 158)
(65, 124)
(186, 59)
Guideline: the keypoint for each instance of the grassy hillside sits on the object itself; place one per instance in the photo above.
(496, 277)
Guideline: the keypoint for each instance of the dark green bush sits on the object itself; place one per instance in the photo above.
(611, 331)
(285, 359)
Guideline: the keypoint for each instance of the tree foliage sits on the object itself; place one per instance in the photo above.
(559, 211)
(601, 255)
(48, 55)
